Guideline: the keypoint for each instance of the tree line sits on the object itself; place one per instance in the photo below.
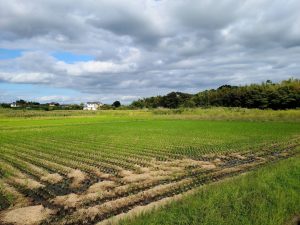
(23, 104)
(282, 95)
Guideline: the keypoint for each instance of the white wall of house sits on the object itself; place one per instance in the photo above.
(92, 106)
(13, 105)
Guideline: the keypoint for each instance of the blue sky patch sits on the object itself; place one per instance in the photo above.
(9, 53)
(71, 58)
(30, 92)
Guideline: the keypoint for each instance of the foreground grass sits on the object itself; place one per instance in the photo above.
(269, 195)
(6, 199)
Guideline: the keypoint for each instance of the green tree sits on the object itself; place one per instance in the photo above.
(116, 104)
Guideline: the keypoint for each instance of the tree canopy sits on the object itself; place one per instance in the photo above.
(116, 104)
(282, 95)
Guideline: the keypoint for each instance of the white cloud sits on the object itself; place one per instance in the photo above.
(24, 77)
(92, 67)
(51, 98)
(143, 48)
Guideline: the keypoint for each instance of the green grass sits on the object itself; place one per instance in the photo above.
(270, 195)
(6, 199)
(112, 141)
(214, 113)
(187, 137)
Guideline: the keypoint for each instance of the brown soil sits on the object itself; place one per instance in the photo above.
(141, 209)
(68, 201)
(32, 184)
(82, 200)
(31, 215)
(20, 200)
(52, 178)
(75, 200)
(162, 170)
(101, 186)
(294, 221)
(238, 156)
(77, 177)
(92, 212)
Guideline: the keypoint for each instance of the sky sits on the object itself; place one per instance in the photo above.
(75, 51)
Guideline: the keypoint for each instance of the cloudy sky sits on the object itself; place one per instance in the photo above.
(77, 51)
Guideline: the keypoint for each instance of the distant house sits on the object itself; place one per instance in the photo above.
(13, 105)
(92, 105)
(52, 104)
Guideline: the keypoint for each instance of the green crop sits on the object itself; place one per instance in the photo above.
(143, 156)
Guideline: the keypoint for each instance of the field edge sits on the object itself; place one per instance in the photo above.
(145, 216)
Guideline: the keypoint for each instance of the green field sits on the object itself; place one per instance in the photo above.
(75, 167)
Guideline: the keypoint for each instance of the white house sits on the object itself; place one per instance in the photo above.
(13, 105)
(52, 104)
(92, 105)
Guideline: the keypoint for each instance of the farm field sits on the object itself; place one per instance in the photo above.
(88, 167)
(266, 196)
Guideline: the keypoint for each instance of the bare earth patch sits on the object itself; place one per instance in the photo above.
(68, 201)
(101, 186)
(238, 156)
(31, 215)
(161, 170)
(21, 200)
(77, 177)
(132, 177)
(142, 209)
(85, 213)
(32, 184)
(294, 221)
(127, 192)
(52, 178)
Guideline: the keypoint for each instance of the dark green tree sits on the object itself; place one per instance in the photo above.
(116, 104)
